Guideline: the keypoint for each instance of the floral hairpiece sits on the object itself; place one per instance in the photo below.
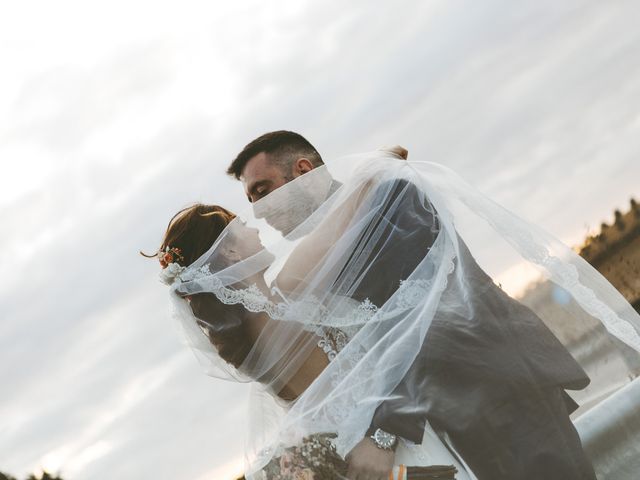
(170, 269)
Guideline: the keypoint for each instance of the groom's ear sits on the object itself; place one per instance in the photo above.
(302, 166)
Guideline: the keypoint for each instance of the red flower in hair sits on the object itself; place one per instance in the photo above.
(169, 256)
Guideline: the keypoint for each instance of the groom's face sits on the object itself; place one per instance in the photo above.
(261, 175)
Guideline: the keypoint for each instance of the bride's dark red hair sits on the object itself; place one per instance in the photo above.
(193, 230)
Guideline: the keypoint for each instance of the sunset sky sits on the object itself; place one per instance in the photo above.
(114, 115)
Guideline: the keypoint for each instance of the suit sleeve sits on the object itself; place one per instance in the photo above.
(409, 227)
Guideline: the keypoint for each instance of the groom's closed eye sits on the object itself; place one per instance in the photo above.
(259, 190)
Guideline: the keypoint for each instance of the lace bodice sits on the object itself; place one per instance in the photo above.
(332, 341)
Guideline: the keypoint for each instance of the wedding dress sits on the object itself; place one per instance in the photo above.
(401, 275)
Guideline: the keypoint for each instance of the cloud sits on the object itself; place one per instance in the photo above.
(61, 107)
(536, 105)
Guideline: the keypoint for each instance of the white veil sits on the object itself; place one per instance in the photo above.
(374, 290)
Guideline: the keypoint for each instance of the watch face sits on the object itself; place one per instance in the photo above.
(384, 439)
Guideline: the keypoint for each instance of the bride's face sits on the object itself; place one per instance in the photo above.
(242, 243)
(246, 241)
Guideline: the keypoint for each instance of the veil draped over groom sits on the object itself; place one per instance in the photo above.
(409, 280)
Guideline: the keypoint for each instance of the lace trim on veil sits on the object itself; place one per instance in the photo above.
(310, 310)
(568, 277)
(334, 335)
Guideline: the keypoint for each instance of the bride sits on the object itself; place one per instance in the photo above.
(350, 291)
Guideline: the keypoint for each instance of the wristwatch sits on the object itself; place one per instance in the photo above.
(384, 440)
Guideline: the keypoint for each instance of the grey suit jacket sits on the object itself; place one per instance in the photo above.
(468, 363)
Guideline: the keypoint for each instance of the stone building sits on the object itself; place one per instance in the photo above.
(615, 253)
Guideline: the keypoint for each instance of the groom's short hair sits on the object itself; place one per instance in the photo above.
(283, 148)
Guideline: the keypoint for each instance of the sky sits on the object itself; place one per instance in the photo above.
(114, 115)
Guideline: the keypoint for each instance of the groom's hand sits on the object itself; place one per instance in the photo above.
(397, 150)
(368, 462)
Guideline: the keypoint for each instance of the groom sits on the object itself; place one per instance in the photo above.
(500, 434)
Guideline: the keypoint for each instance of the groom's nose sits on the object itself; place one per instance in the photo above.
(259, 210)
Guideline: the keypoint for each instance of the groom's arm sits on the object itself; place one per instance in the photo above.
(404, 243)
